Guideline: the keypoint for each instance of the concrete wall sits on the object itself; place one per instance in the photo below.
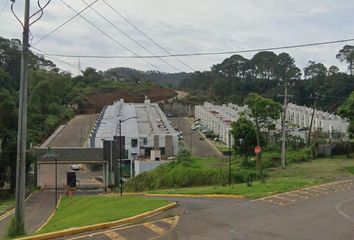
(145, 166)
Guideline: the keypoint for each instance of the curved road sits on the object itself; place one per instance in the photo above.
(323, 212)
(315, 213)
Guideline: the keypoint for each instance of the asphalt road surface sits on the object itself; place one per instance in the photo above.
(38, 208)
(193, 140)
(316, 213)
(323, 212)
(75, 132)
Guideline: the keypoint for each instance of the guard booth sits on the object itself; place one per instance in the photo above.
(80, 168)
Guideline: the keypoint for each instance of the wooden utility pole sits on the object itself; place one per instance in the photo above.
(22, 128)
(283, 125)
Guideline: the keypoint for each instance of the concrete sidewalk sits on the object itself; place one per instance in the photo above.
(39, 207)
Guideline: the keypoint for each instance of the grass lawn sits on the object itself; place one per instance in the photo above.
(295, 176)
(80, 211)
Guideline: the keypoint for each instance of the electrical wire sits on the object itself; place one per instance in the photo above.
(110, 37)
(13, 12)
(63, 24)
(42, 53)
(132, 39)
(208, 53)
(146, 36)
(40, 11)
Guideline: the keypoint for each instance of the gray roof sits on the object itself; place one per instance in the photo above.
(69, 154)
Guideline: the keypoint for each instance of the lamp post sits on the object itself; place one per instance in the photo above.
(120, 154)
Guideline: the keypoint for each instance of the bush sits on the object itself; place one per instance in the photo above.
(184, 173)
(13, 231)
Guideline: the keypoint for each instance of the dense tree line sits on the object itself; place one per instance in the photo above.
(50, 92)
(266, 73)
(162, 78)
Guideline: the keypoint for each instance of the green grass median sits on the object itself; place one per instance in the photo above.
(79, 211)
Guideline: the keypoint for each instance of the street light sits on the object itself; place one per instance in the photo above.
(120, 154)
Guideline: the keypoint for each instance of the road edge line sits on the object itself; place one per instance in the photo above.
(51, 215)
(11, 210)
(195, 195)
(72, 231)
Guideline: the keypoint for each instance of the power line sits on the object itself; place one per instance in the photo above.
(110, 37)
(128, 36)
(41, 52)
(207, 53)
(63, 24)
(145, 35)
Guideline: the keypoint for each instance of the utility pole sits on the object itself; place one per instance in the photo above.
(316, 97)
(283, 125)
(22, 128)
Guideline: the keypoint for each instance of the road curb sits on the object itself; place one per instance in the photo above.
(195, 195)
(72, 231)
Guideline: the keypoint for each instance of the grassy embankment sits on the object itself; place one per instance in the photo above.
(87, 210)
(295, 176)
(191, 175)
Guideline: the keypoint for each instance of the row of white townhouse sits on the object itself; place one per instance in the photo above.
(218, 118)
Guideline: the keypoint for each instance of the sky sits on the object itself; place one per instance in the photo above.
(184, 26)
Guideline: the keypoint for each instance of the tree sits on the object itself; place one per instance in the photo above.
(244, 133)
(346, 54)
(264, 112)
(265, 63)
(286, 68)
(347, 111)
(314, 69)
(333, 70)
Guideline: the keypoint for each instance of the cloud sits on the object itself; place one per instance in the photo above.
(191, 26)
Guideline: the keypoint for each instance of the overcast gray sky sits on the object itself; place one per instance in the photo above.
(183, 26)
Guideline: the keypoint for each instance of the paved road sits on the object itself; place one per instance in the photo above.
(325, 213)
(39, 207)
(322, 212)
(193, 140)
(75, 132)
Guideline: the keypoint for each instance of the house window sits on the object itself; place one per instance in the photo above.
(134, 143)
(145, 141)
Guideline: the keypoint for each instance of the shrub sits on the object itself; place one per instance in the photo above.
(177, 174)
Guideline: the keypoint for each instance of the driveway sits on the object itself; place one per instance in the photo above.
(194, 140)
(39, 207)
(75, 132)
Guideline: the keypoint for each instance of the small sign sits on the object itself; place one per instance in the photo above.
(257, 149)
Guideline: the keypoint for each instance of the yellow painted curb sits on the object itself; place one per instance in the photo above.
(76, 230)
(195, 195)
